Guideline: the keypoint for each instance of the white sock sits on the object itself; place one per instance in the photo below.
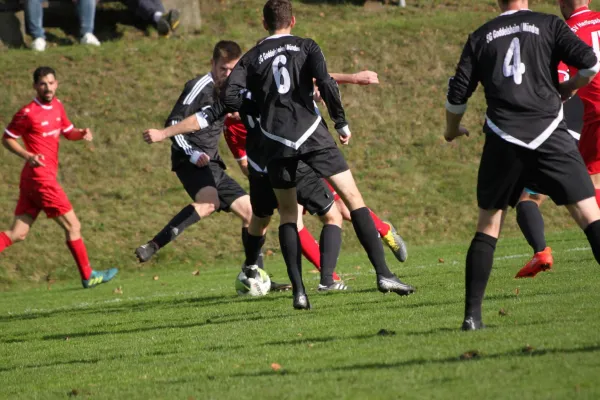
(157, 16)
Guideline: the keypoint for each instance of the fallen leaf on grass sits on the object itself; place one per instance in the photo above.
(155, 277)
(357, 267)
(118, 290)
(528, 349)
(502, 312)
(516, 291)
(196, 272)
(73, 393)
(67, 338)
(385, 332)
(469, 355)
(314, 271)
(441, 260)
(276, 367)
(269, 253)
(299, 334)
(321, 14)
(352, 278)
(310, 345)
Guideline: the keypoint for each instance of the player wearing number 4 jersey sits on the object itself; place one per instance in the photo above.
(279, 74)
(41, 124)
(515, 56)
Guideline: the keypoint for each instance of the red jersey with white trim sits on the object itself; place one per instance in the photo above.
(235, 136)
(40, 126)
(585, 23)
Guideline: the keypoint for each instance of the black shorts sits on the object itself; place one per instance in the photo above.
(324, 162)
(312, 193)
(506, 169)
(195, 178)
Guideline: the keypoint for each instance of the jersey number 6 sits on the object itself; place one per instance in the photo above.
(279, 72)
(517, 68)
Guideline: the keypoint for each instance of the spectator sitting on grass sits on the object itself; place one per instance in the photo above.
(152, 12)
(34, 14)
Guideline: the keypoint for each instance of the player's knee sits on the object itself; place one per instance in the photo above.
(74, 227)
(332, 217)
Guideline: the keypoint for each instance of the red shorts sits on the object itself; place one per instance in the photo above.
(37, 196)
(336, 196)
(589, 147)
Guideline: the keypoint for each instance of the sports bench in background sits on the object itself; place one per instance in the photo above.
(12, 17)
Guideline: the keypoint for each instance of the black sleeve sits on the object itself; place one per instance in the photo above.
(215, 112)
(464, 82)
(328, 87)
(235, 85)
(573, 51)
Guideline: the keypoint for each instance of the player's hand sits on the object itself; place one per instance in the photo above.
(154, 135)
(36, 160)
(366, 78)
(450, 136)
(317, 95)
(203, 160)
(345, 139)
(87, 134)
(235, 116)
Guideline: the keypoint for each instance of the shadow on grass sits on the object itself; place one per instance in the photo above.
(423, 361)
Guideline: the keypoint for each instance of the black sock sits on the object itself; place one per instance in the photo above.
(480, 258)
(369, 238)
(292, 254)
(593, 234)
(252, 248)
(186, 217)
(330, 245)
(531, 223)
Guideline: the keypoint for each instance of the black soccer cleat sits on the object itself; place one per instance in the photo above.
(146, 251)
(393, 284)
(301, 302)
(472, 324)
(280, 287)
(334, 287)
(168, 23)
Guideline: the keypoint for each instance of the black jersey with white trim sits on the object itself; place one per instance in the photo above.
(515, 56)
(279, 73)
(574, 116)
(198, 94)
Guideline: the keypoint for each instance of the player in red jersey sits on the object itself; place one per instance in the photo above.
(585, 23)
(40, 124)
(235, 136)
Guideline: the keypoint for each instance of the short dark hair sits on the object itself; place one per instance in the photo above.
(277, 14)
(40, 72)
(227, 50)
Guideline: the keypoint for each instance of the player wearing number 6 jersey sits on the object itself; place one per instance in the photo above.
(515, 56)
(279, 73)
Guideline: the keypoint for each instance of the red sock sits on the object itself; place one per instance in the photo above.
(382, 228)
(310, 247)
(311, 250)
(597, 197)
(79, 253)
(4, 241)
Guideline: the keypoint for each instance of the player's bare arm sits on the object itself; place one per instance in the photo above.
(12, 145)
(192, 123)
(358, 78)
(568, 88)
(79, 134)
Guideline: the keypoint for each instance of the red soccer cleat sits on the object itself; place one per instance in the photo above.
(541, 261)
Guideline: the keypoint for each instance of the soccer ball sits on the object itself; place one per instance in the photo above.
(258, 286)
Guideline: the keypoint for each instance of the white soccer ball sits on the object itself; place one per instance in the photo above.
(258, 286)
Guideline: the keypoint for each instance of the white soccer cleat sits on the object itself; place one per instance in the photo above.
(39, 44)
(90, 40)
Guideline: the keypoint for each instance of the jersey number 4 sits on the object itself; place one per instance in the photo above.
(517, 68)
(281, 75)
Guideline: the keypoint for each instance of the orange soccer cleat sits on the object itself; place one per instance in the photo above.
(541, 261)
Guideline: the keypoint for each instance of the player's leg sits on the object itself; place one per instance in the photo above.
(589, 147)
(72, 227)
(17, 232)
(201, 187)
(310, 246)
(282, 175)
(314, 195)
(531, 222)
(480, 258)
(587, 215)
(367, 234)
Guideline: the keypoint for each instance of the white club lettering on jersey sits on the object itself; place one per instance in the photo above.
(55, 132)
(517, 68)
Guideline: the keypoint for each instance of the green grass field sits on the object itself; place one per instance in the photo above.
(185, 336)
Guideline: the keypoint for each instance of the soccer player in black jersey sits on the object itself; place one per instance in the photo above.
(196, 160)
(515, 56)
(279, 73)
